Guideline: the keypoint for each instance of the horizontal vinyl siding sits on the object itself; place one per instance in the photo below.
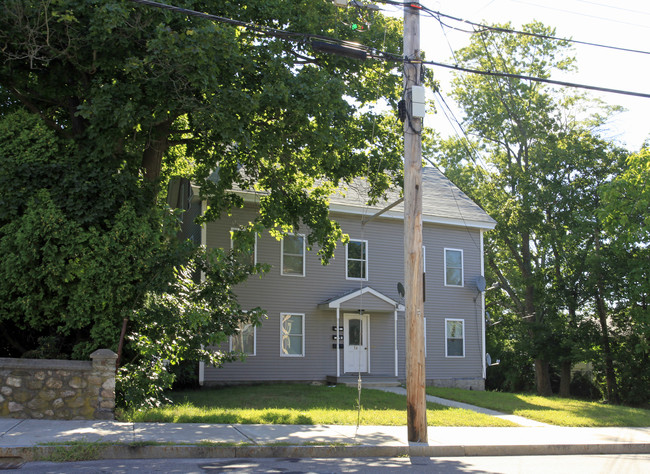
(286, 294)
(382, 344)
(190, 229)
(449, 302)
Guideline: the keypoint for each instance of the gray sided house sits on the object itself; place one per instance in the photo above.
(326, 323)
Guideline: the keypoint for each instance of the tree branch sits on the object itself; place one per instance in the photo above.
(503, 282)
(37, 110)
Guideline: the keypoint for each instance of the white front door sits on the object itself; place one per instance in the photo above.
(355, 338)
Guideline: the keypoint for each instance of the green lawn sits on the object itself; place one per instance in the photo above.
(552, 410)
(300, 404)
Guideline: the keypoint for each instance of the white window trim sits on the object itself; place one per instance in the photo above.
(302, 315)
(254, 341)
(232, 243)
(446, 338)
(462, 268)
(348, 277)
(304, 257)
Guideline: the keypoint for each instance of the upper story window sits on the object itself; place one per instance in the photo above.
(293, 255)
(455, 337)
(356, 257)
(245, 340)
(453, 267)
(244, 245)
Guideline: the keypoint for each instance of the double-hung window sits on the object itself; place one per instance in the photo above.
(356, 257)
(245, 339)
(244, 246)
(293, 255)
(453, 267)
(292, 335)
(455, 337)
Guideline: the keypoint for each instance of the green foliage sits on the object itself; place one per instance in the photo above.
(262, 110)
(505, 341)
(185, 322)
(626, 257)
(544, 179)
(74, 451)
(80, 282)
(102, 101)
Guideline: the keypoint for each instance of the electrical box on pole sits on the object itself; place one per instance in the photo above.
(418, 106)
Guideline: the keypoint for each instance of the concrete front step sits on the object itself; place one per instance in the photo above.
(367, 381)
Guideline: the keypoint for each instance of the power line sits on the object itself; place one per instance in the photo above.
(581, 14)
(473, 153)
(265, 30)
(437, 14)
(375, 53)
(604, 5)
(537, 79)
(536, 35)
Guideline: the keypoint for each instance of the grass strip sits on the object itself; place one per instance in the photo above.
(553, 410)
(300, 405)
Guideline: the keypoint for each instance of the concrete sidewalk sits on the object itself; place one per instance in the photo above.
(29, 440)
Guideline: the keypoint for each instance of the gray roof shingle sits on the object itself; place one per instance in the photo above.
(442, 202)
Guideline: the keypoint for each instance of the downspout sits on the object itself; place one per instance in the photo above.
(204, 239)
(395, 337)
(338, 344)
(483, 308)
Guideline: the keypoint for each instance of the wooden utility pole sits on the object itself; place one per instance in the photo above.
(415, 368)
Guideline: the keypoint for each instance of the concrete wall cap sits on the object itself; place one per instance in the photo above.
(103, 354)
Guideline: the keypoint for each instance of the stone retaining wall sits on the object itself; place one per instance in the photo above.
(59, 389)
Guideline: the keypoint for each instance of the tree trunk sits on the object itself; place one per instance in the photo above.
(565, 379)
(610, 377)
(542, 374)
(543, 378)
(156, 148)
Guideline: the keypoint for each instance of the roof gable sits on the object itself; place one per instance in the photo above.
(442, 202)
(362, 299)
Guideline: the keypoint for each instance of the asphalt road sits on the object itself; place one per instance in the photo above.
(600, 464)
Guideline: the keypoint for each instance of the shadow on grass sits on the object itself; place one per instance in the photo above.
(287, 396)
(271, 418)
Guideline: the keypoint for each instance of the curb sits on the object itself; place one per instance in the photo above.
(38, 453)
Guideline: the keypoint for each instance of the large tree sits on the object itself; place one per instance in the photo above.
(513, 117)
(625, 278)
(128, 95)
(142, 87)
(559, 194)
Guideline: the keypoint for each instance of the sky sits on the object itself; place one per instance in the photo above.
(620, 23)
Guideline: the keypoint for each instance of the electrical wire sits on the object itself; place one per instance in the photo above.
(437, 14)
(444, 32)
(613, 7)
(377, 54)
(265, 30)
(473, 153)
(537, 79)
(581, 14)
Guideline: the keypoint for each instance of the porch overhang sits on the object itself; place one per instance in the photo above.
(366, 299)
